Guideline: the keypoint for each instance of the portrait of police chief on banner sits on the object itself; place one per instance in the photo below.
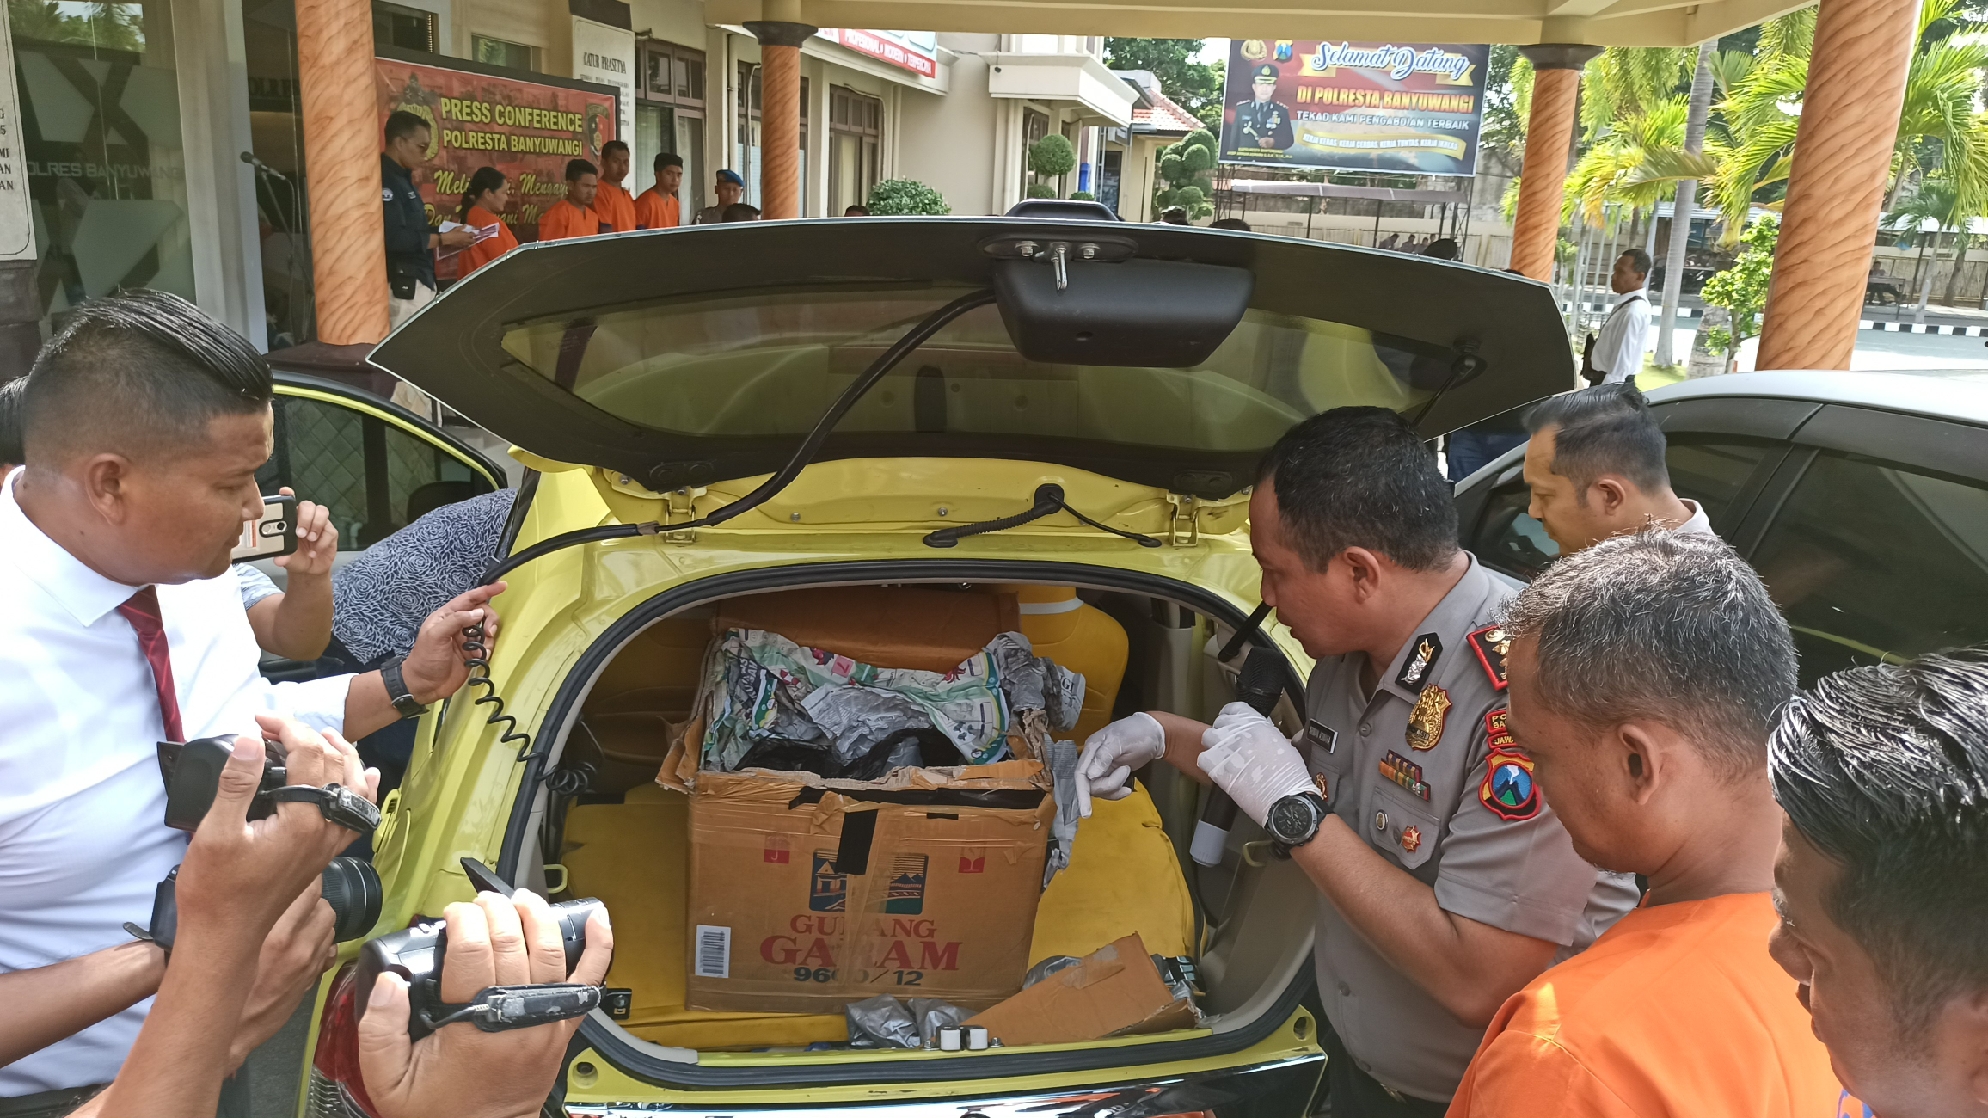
(1410, 108)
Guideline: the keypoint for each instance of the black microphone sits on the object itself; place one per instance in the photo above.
(1259, 683)
(249, 158)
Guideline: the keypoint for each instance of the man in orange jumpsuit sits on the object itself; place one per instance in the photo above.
(1645, 674)
(573, 215)
(658, 206)
(612, 201)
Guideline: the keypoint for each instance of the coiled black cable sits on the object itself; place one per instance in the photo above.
(476, 657)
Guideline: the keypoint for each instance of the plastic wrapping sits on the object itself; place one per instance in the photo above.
(789, 707)
(886, 1022)
(1061, 757)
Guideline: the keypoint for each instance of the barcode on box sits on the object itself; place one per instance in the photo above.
(714, 951)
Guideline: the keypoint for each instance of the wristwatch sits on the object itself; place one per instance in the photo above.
(1293, 821)
(397, 692)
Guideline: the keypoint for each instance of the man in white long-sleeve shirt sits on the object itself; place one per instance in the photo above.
(1618, 352)
(121, 625)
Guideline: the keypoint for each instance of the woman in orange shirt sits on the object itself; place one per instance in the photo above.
(489, 192)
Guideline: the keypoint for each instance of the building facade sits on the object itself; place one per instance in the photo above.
(161, 143)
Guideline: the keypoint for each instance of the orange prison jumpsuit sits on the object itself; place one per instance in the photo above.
(615, 207)
(483, 252)
(1677, 1010)
(655, 210)
(563, 219)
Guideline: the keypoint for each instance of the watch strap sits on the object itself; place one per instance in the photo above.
(339, 804)
(403, 701)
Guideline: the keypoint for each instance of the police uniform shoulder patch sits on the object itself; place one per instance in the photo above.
(1491, 644)
(1420, 667)
(1496, 730)
(1509, 790)
(1425, 722)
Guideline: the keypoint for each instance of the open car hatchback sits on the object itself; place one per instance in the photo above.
(902, 437)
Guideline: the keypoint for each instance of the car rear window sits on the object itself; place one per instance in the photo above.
(769, 364)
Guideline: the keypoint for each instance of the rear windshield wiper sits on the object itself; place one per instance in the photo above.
(810, 446)
(1048, 502)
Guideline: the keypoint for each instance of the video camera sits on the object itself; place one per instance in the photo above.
(192, 772)
(416, 954)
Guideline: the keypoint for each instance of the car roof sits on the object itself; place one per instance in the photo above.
(1959, 395)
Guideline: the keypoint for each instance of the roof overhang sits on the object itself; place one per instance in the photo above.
(1078, 78)
(1633, 23)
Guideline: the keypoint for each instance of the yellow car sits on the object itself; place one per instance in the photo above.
(1059, 414)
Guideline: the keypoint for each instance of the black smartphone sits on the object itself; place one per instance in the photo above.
(273, 533)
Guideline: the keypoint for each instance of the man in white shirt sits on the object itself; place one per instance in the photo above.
(1596, 469)
(121, 625)
(1618, 351)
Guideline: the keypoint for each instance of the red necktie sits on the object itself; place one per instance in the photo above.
(142, 610)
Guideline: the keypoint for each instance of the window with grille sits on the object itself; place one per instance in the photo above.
(856, 138)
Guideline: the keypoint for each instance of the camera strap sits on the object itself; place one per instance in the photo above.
(339, 804)
(495, 1009)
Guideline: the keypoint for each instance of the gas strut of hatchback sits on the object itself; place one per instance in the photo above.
(811, 445)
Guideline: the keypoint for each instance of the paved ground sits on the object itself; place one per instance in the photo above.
(1876, 350)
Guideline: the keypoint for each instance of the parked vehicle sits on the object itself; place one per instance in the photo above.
(721, 411)
(1862, 499)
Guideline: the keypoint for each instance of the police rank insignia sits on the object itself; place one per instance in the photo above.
(1420, 667)
(1491, 645)
(1425, 722)
(1509, 790)
(1404, 772)
(1411, 839)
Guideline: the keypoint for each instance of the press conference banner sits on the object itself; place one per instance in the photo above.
(528, 130)
(1411, 108)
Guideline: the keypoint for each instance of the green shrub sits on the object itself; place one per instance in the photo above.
(1052, 156)
(906, 197)
(1082, 196)
(1041, 190)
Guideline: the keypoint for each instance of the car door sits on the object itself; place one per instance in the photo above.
(376, 467)
(1876, 542)
(1723, 452)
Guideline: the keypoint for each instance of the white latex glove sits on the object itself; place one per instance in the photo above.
(1105, 769)
(1248, 757)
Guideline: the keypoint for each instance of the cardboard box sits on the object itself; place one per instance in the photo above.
(1115, 991)
(807, 894)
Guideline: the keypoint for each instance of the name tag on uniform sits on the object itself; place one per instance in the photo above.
(1322, 735)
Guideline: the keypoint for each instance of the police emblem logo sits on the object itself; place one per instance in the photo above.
(1491, 646)
(386, 194)
(1411, 839)
(1420, 667)
(1406, 773)
(1509, 790)
(1425, 722)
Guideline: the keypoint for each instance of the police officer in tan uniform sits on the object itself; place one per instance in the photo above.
(1445, 882)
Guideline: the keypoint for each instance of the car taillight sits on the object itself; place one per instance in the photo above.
(336, 1088)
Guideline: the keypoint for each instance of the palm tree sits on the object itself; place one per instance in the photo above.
(1685, 202)
(1753, 146)
(1938, 201)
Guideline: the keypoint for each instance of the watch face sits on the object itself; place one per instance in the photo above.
(1289, 820)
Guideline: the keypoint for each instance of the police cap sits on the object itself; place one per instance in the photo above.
(1266, 72)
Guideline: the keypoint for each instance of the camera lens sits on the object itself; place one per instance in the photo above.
(352, 889)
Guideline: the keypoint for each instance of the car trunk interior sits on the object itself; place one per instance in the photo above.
(626, 838)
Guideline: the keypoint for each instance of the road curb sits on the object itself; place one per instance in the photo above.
(1883, 327)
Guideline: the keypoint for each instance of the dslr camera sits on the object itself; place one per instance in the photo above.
(192, 773)
(416, 955)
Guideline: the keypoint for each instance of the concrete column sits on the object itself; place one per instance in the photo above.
(1836, 186)
(342, 151)
(780, 115)
(1549, 137)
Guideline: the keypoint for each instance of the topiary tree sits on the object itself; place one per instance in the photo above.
(1184, 167)
(1082, 196)
(906, 197)
(1051, 157)
(1040, 190)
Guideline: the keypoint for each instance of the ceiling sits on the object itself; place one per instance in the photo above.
(1639, 23)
